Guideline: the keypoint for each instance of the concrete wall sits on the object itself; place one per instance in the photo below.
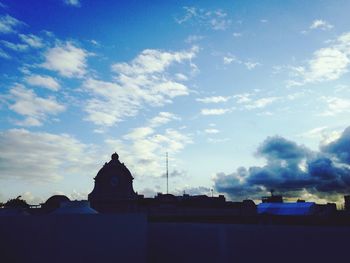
(187, 242)
(73, 238)
(129, 238)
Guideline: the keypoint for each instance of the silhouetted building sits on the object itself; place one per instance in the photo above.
(54, 202)
(347, 202)
(272, 199)
(113, 190)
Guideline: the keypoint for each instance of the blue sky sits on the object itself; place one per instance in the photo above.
(245, 96)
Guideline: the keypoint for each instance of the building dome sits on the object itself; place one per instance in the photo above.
(113, 184)
(54, 202)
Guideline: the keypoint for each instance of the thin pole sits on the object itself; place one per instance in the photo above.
(167, 174)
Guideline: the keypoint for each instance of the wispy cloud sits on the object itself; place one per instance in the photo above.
(213, 99)
(3, 54)
(13, 46)
(67, 59)
(216, 19)
(229, 59)
(194, 38)
(215, 111)
(153, 61)
(43, 157)
(75, 3)
(43, 81)
(163, 118)
(321, 24)
(251, 65)
(145, 81)
(260, 103)
(32, 40)
(141, 147)
(35, 109)
(211, 131)
(328, 63)
(8, 24)
(250, 102)
(335, 105)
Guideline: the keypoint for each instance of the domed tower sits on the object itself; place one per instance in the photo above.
(113, 190)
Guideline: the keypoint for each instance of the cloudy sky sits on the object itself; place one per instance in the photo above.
(245, 96)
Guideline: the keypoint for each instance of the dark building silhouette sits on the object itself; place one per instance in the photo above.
(347, 202)
(113, 190)
(54, 202)
(273, 198)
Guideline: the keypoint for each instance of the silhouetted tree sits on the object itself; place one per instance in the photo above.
(16, 203)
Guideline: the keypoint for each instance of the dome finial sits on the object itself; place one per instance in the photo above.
(115, 156)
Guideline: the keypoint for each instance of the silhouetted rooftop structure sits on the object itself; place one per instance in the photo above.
(74, 208)
(54, 202)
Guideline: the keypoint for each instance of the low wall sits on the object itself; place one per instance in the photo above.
(73, 238)
(129, 238)
(193, 242)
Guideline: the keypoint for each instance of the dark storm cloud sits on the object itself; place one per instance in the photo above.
(290, 169)
(341, 147)
(278, 148)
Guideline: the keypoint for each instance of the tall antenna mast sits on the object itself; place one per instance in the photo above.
(167, 174)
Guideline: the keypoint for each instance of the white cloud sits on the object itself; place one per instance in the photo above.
(237, 34)
(75, 3)
(43, 81)
(163, 118)
(32, 40)
(213, 99)
(111, 103)
(328, 63)
(249, 102)
(251, 65)
(321, 24)
(335, 106)
(243, 98)
(33, 107)
(260, 103)
(16, 47)
(145, 81)
(315, 133)
(41, 156)
(211, 131)
(8, 24)
(229, 59)
(67, 59)
(3, 54)
(141, 149)
(217, 140)
(216, 20)
(181, 77)
(153, 61)
(139, 133)
(218, 111)
(193, 38)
